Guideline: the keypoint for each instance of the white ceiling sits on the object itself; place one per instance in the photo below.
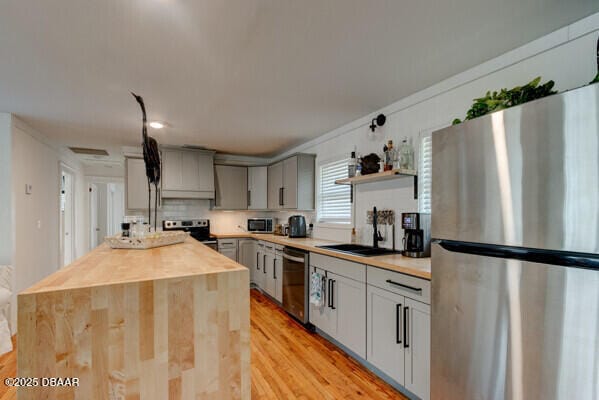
(243, 76)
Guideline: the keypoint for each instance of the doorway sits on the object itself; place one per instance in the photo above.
(107, 208)
(67, 216)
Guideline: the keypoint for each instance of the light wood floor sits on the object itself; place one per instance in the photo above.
(287, 363)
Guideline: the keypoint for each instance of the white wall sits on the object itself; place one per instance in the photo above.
(567, 56)
(36, 231)
(6, 215)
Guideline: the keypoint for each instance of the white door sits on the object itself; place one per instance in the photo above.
(350, 304)
(385, 332)
(325, 316)
(116, 207)
(417, 347)
(67, 217)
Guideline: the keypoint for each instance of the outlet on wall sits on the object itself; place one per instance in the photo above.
(28, 188)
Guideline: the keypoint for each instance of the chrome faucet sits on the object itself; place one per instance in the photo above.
(376, 235)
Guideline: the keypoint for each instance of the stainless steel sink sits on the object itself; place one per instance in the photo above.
(359, 250)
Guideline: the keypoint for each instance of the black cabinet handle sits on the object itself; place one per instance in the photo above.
(249, 198)
(397, 323)
(333, 294)
(406, 330)
(329, 292)
(404, 286)
(264, 264)
(258, 261)
(274, 268)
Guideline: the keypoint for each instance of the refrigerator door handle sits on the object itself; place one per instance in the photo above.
(554, 257)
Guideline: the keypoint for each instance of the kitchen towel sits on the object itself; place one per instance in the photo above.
(316, 289)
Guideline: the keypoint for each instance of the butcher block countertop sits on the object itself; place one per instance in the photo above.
(165, 323)
(417, 267)
(106, 266)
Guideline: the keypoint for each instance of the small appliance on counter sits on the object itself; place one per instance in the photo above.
(199, 229)
(297, 226)
(417, 234)
(261, 225)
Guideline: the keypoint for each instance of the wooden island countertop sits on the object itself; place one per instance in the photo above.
(166, 323)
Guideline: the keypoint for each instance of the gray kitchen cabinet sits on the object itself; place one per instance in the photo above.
(136, 183)
(275, 185)
(257, 188)
(385, 332)
(247, 255)
(187, 173)
(417, 352)
(259, 277)
(228, 247)
(398, 327)
(278, 273)
(291, 183)
(272, 271)
(231, 184)
(349, 301)
(324, 317)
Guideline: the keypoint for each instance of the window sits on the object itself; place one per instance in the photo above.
(334, 204)
(425, 173)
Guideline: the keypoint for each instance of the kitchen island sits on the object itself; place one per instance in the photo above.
(165, 323)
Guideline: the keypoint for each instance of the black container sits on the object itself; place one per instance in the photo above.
(297, 226)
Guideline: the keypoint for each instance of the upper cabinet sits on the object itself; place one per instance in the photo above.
(136, 182)
(187, 173)
(291, 183)
(231, 187)
(257, 188)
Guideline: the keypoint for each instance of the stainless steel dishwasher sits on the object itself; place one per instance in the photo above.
(296, 283)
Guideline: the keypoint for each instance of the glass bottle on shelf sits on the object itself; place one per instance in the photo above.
(389, 156)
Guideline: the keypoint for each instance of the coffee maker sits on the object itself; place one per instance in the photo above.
(417, 234)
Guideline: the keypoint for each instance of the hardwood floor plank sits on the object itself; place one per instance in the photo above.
(287, 362)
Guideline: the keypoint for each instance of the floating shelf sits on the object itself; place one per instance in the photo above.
(376, 177)
(382, 176)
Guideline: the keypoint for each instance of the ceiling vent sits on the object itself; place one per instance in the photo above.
(90, 152)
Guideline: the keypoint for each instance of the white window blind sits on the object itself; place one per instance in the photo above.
(334, 200)
(424, 173)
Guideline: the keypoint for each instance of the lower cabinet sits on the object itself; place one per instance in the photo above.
(259, 276)
(247, 255)
(399, 339)
(273, 271)
(228, 247)
(343, 314)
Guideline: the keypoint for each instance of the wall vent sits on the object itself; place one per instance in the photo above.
(91, 152)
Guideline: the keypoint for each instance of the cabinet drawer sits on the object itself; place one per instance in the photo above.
(339, 266)
(405, 285)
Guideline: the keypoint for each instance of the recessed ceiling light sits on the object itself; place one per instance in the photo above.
(157, 125)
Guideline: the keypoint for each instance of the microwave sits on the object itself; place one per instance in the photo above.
(260, 225)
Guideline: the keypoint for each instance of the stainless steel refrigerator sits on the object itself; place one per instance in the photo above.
(515, 264)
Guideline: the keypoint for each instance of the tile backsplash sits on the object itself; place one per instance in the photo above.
(220, 221)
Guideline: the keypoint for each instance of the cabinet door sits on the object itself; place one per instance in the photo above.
(350, 303)
(417, 320)
(278, 278)
(247, 255)
(257, 188)
(275, 186)
(231, 187)
(385, 332)
(172, 170)
(290, 183)
(229, 252)
(258, 273)
(325, 316)
(206, 174)
(137, 185)
(270, 286)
